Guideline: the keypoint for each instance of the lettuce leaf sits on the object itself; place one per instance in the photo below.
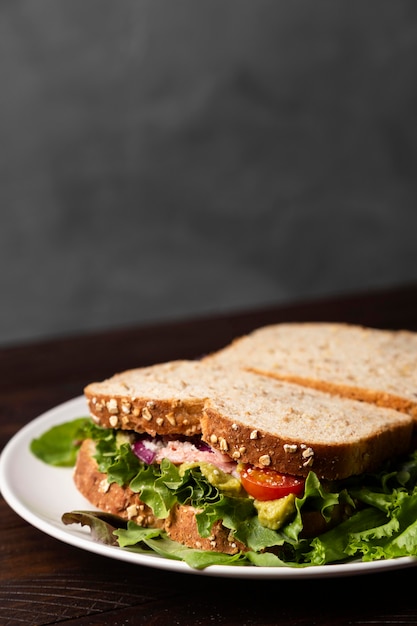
(157, 485)
(59, 445)
(381, 507)
(148, 540)
(384, 525)
(102, 525)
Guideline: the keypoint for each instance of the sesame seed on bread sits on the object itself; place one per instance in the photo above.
(112, 498)
(180, 524)
(294, 429)
(165, 398)
(248, 413)
(253, 418)
(377, 366)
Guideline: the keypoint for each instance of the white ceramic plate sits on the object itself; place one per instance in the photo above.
(40, 494)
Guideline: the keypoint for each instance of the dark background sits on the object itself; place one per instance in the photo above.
(162, 159)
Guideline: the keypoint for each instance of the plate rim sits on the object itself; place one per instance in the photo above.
(14, 452)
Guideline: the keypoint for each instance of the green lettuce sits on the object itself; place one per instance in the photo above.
(59, 445)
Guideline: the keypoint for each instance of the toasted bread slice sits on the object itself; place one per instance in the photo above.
(377, 366)
(294, 429)
(166, 398)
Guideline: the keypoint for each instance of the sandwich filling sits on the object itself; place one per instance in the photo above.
(185, 450)
(166, 470)
(370, 516)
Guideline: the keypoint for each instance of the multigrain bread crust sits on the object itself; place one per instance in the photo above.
(162, 398)
(180, 525)
(112, 498)
(301, 429)
(369, 364)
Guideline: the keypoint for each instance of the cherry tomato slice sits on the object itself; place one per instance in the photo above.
(267, 484)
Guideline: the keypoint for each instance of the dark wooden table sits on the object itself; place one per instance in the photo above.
(44, 581)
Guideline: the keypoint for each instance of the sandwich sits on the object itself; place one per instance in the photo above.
(239, 430)
(227, 460)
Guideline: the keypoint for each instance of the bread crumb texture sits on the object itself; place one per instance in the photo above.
(370, 364)
(301, 429)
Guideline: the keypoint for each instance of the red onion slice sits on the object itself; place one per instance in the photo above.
(143, 452)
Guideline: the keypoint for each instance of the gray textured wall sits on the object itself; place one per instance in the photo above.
(161, 158)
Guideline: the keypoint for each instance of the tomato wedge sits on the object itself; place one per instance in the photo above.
(267, 484)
